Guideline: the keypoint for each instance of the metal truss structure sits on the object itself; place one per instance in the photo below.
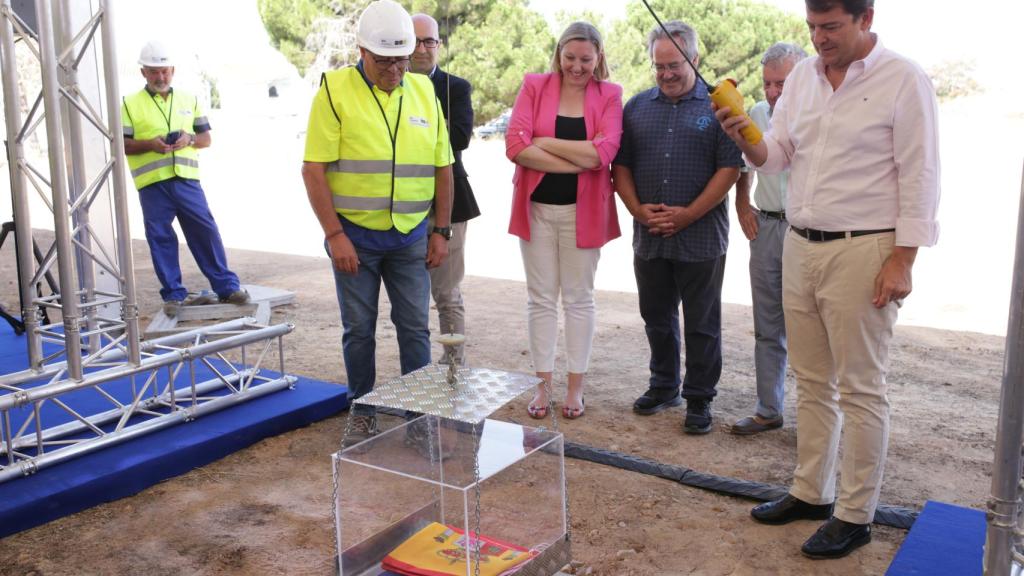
(94, 349)
(162, 391)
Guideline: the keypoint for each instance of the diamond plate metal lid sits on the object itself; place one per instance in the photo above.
(476, 393)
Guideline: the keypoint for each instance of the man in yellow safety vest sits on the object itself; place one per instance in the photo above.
(164, 129)
(377, 159)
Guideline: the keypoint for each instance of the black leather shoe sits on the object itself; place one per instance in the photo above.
(654, 401)
(836, 538)
(789, 508)
(698, 416)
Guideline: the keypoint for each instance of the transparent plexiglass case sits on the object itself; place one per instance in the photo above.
(499, 479)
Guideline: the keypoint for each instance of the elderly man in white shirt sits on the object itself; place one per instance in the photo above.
(856, 126)
(765, 227)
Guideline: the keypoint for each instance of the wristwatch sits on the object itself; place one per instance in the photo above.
(444, 231)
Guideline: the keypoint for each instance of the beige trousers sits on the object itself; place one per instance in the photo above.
(839, 351)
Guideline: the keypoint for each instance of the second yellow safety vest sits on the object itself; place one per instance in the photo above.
(144, 119)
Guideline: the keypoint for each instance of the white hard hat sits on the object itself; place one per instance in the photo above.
(386, 29)
(155, 55)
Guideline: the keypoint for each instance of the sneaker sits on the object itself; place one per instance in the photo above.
(171, 307)
(363, 427)
(238, 297)
(418, 437)
(654, 401)
(698, 416)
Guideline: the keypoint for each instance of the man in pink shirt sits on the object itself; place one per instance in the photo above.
(856, 127)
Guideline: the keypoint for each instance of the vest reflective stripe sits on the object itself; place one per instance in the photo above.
(374, 185)
(164, 162)
(400, 207)
(147, 122)
(382, 167)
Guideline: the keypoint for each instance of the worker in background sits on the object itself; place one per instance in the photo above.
(765, 227)
(454, 95)
(377, 160)
(164, 129)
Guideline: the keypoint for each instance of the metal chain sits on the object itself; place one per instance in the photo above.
(334, 494)
(475, 542)
(565, 477)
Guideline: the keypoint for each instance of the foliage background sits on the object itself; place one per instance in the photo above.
(493, 43)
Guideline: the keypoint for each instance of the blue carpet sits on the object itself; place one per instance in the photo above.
(131, 467)
(945, 540)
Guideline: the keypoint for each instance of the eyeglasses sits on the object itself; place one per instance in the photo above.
(674, 67)
(386, 63)
(428, 42)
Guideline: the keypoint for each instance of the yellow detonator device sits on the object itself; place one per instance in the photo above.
(726, 94)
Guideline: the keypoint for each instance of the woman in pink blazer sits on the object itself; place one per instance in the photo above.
(563, 134)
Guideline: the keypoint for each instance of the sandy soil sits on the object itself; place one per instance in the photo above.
(266, 509)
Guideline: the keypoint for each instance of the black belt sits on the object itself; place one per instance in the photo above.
(823, 236)
(775, 215)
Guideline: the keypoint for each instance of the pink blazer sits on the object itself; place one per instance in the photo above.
(534, 115)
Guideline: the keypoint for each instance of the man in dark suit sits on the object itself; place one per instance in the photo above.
(454, 95)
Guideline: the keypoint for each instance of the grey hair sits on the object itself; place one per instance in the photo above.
(678, 29)
(783, 51)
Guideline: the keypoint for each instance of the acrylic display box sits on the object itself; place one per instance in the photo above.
(473, 475)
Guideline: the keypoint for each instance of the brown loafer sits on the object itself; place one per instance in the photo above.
(754, 425)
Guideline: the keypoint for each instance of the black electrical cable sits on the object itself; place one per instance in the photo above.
(885, 515)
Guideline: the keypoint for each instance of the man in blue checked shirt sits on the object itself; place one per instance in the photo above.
(673, 171)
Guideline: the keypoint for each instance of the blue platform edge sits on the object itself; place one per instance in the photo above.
(133, 466)
(945, 540)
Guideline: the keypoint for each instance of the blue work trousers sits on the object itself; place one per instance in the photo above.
(769, 320)
(184, 199)
(405, 277)
(661, 285)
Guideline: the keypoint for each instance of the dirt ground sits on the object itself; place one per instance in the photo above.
(266, 509)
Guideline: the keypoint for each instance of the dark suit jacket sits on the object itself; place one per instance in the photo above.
(460, 130)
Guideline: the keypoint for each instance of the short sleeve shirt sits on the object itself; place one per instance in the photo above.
(673, 149)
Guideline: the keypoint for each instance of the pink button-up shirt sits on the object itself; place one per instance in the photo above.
(862, 157)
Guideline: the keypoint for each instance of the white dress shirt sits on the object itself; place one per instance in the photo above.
(864, 156)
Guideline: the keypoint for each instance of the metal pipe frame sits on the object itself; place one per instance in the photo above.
(47, 438)
(19, 193)
(76, 251)
(1004, 545)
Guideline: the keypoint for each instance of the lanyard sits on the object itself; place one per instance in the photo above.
(170, 109)
(391, 134)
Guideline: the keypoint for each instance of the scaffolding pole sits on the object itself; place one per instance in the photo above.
(16, 164)
(1003, 554)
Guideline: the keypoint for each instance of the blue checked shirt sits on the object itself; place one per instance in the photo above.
(673, 150)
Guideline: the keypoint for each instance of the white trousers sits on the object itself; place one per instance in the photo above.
(839, 351)
(556, 267)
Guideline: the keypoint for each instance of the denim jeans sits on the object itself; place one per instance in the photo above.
(405, 277)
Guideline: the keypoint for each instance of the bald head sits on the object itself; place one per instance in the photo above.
(424, 58)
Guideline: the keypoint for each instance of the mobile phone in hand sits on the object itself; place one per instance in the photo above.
(172, 137)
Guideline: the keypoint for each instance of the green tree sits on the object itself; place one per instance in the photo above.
(490, 42)
(288, 22)
(494, 55)
(733, 35)
(954, 79)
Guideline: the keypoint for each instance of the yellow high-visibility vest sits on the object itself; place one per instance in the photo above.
(384, 176)
(147, 116)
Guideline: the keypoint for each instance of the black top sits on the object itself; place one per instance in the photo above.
(460, 130)
(561, 188)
